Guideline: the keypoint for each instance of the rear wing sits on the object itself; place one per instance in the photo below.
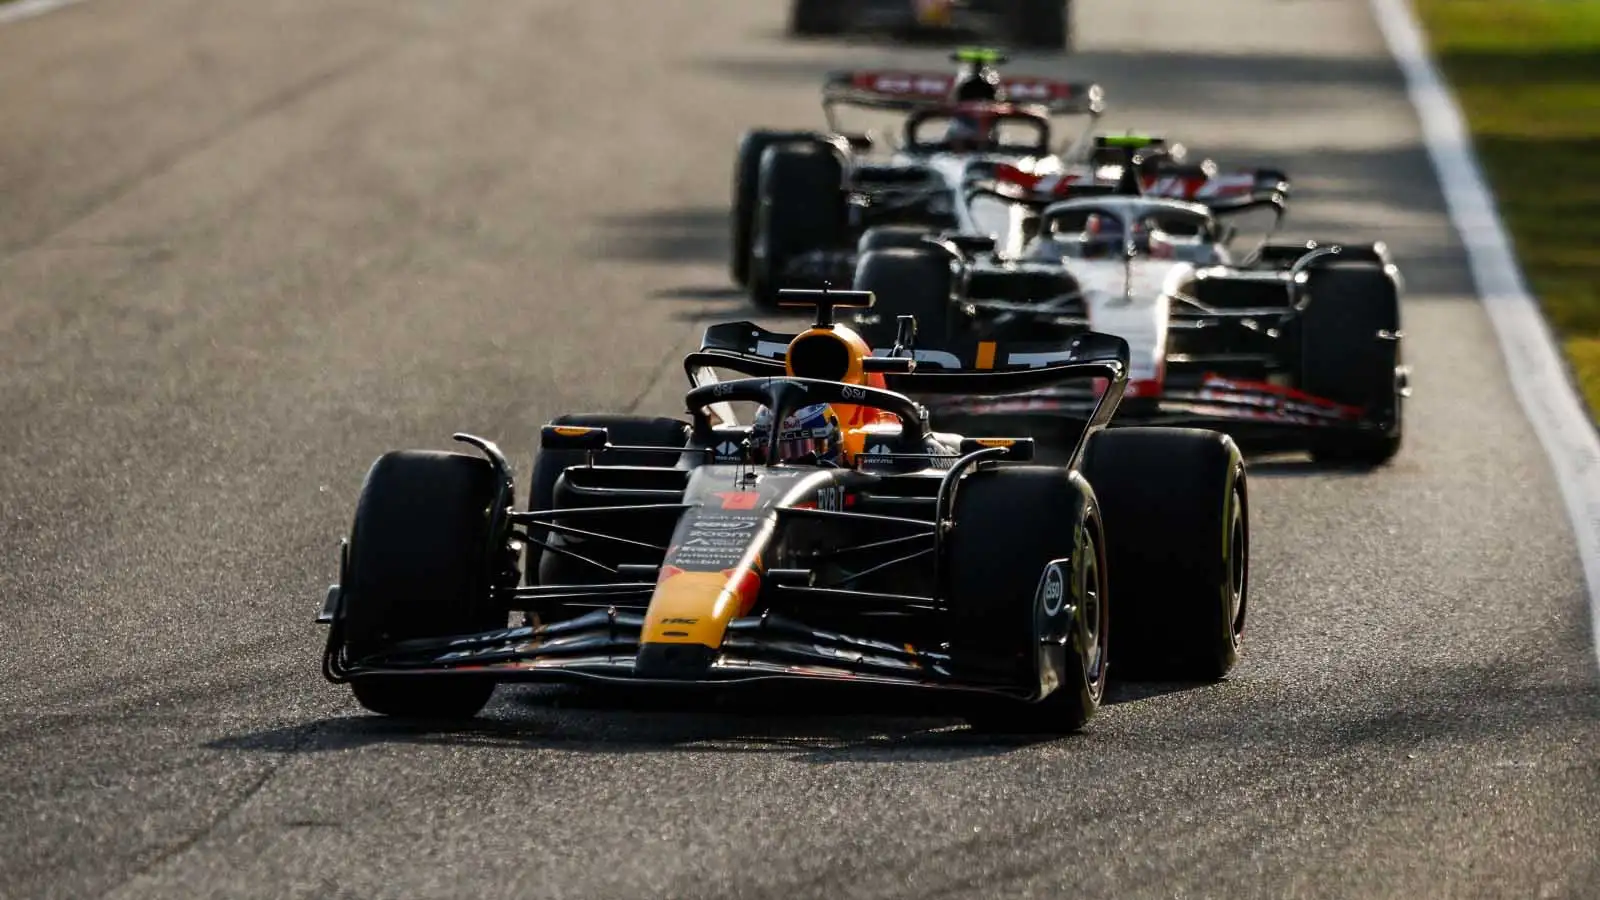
(971, 366)
(905, 91)
(1221, 192)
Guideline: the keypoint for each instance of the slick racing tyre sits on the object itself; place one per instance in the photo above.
(637, 431)
(746, 172)
(1350, 353)
(816, 17)
(891, 237)
(1177, 526)
(419, 568)
(906, 283)
(1042, 24)
(1009, 605)
(801, 208)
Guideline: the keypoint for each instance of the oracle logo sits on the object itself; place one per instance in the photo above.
(1029, 90)
(897, 83)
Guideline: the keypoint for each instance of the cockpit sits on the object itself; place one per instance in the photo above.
(978, 128)
(1097, 229)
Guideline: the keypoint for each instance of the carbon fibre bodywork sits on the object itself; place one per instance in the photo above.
(709, 569)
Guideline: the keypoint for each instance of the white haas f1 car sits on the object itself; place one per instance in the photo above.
(803, 199)
(1289, 346)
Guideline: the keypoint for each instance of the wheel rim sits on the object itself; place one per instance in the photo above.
(1238, 569)
(1092, 613)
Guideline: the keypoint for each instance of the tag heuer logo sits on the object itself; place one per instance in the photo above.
(728, 448)
(880, 450)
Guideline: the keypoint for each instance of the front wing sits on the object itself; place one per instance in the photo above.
(1260, 413)
(602, 646)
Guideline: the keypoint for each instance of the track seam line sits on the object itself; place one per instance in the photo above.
(250, 792)
(1536, 369)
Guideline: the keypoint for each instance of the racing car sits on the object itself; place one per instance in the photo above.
(837, 538)
(801, 199)
(1287, 346)
(1034, 24)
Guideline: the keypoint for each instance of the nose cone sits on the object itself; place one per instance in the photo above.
(688, 616)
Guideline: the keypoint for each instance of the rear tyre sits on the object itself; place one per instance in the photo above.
(746, 172)
(907, 283)
(1350, 353)
(809, 18)
(1043, 24)
(1010, 524)
(638, 431)
(419, 568)
(801, 208)
(1176, 513)
(892, 237)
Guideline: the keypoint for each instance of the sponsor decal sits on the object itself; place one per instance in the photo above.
(721, 389)
(572, 430)
(852, 393)
(1020, 91)
(831, 498)
(1053, 593)
(715, 540)
(739, 499)
(723, 525)
(904, 83)
(702, 555)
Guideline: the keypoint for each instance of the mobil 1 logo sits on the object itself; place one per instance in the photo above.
(1053, 590)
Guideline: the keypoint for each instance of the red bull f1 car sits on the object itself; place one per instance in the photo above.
(1033, 24)
(1287, 346)
(874, 550)
(802, 199)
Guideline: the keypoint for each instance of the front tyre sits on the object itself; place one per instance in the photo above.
(1028, 594)
(419, 567)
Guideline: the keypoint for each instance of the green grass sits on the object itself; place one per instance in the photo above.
(1527, 74)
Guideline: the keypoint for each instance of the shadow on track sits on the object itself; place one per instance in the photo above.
(815, 724)
(690, 235)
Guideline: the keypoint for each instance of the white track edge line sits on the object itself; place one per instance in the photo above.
(1536, 368)
(27, 9)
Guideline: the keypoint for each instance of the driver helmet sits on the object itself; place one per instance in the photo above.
(809, 434)
(1102, 236)
(968, 131)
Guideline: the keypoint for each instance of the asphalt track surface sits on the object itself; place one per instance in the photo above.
(248, 246)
